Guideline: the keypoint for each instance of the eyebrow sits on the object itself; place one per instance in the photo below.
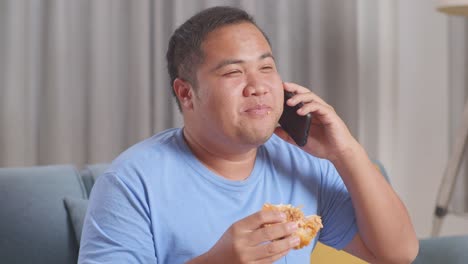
(230, 61)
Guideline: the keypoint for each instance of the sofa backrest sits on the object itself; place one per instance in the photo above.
(34, 227)
(90, 173)
(448, 249)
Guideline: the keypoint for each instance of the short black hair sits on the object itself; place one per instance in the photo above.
(184, 52)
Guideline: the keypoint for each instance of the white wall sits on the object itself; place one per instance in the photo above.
(411, 98)
(422, 108)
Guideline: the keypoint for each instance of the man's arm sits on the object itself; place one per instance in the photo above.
(386, 234)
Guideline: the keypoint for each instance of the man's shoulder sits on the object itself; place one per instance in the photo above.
(162, 141)
(153, 150)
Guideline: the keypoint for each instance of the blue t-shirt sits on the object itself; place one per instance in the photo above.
(157, 203)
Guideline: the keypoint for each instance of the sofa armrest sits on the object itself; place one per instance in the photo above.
(450, 249)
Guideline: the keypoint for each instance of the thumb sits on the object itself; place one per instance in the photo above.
(284, 135)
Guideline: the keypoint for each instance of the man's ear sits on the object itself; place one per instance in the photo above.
(184, 93)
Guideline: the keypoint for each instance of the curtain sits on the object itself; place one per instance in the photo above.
(81, 81)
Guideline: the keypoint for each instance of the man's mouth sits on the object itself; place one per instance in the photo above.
(259, 110)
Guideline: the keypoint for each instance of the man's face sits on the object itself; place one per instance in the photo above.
(239, 97)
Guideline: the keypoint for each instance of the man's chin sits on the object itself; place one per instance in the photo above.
(256, 133)
(257, 139)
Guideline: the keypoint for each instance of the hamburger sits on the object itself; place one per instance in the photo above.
(308, 226)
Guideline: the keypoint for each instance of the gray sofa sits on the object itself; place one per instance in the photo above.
(35, 224)
(42, 210)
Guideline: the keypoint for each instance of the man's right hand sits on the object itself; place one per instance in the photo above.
(250, 241)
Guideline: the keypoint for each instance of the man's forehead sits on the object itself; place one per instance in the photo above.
(242, 41)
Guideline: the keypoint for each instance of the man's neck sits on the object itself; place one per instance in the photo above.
(232, 166)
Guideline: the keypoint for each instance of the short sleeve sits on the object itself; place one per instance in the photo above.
(336, 209)
(117, 226)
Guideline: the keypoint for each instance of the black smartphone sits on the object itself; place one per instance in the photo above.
(295, 125)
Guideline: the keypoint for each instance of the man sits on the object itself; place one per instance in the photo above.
(194, 194)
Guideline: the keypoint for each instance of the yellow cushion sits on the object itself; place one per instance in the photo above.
(324, 254)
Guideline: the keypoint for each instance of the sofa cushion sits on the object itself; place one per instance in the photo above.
(90, 173)
(34, 226)
(448, 249)
(76, 208)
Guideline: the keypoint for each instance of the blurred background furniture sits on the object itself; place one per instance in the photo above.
(36, 225)
(446, 188)
(447, 250)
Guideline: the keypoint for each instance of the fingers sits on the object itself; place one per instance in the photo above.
(322, 112)
(316, 108)
(275, 249)
(307, 98)
(262, 237)
(302, 94)
(259, 219)
(273, 258)
(295, 88)
(271, 232)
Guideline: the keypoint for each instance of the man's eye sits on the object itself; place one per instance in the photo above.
(232, 73)
(267, 68)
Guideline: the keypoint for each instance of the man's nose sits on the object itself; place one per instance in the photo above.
(255, 87)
